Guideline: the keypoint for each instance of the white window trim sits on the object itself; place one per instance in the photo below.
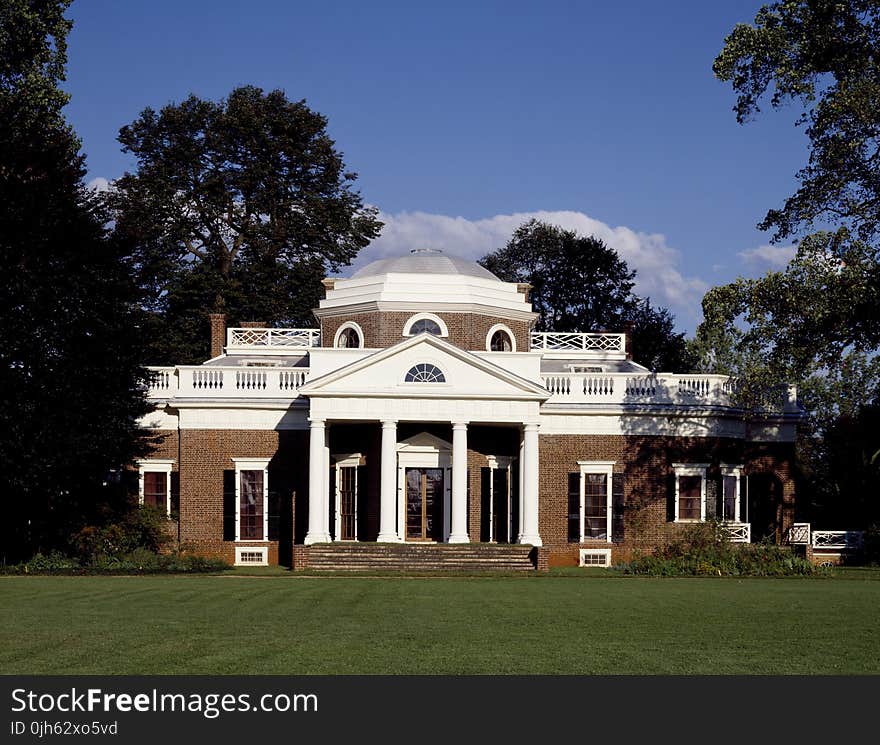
(346, 461)
(506, 330)
(162, 466)
(444, 331)
(691, 469)
(262, 550)
(344, 327)
(737, 471)
(584, 552)
(498, 463)
(596, 466)
(251, 464)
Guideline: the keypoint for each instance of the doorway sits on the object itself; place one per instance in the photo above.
(424, 504)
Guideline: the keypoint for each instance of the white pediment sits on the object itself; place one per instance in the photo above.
(424, 442)
(383, 374)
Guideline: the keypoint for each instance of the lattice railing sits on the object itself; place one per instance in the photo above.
(838, 539)
(798, 534)
(576, 341)
(259, 337)
(738, 532)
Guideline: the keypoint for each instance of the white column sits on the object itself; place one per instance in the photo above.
(317, 485)
(388, 485)
(459, 531)
(529, 486)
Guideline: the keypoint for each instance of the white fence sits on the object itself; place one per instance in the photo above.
(205, 381)
(842, 540)
(738, 532)
(577, 341)
(252, 339)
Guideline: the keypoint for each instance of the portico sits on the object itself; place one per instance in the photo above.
(423, 480)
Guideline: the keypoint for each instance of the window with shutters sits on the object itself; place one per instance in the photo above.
(252, 497)
(690, 492)
(154, 484)
(590, 501)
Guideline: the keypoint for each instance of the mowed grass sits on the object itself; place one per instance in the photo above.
(275, 624)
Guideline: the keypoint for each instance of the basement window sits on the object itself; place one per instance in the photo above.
(251, 556)
(595, 557)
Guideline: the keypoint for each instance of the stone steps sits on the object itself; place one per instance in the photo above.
(419, 557)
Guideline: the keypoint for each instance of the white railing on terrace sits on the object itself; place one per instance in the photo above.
(553, 340)
(838, 539)
(799, 534)
(738, 532)
(273, 338)
(226, 382)
(620, 388)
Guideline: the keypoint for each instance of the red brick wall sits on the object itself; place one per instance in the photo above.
(646, 462)
(466, 330)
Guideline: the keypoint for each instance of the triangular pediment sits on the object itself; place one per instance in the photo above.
(424, 441)
(384, 373)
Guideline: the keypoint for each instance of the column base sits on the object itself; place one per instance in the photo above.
(312, 538)
(531, 540)
(389, 538)
(463, 538)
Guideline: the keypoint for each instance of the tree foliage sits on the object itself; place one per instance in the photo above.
(70, 391)
(581, 284)
(239, 206)
(818, 322)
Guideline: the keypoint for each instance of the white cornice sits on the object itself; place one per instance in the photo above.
(418, 307)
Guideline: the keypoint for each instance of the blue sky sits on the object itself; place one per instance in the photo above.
(463, 119)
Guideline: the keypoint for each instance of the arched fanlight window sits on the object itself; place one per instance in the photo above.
(425, 326)
(501, 342)
(425, 372)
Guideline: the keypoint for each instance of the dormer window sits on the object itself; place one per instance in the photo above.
(425, 323)
(425, 372)
(500, 339)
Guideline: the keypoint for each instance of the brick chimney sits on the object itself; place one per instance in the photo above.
(218, 333)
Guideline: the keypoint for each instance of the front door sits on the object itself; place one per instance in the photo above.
(424, 504)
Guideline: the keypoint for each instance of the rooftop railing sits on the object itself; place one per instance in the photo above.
(577, 341)
(204, 381)
(254, 339)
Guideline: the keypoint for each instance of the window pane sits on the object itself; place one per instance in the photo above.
(251, 506)
(730, 498)
(501, 342)
(689, 497)
(425, 326)
(155, 489)
(596, 505)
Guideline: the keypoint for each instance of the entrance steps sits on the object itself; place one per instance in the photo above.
(420, 557)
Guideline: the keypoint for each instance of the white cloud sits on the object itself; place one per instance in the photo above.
(768, 257)
(656, 263)
(99, 184)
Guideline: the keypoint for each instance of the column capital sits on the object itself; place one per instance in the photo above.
(460, 425)
(317, 421)
(389, 423)
(531, 426)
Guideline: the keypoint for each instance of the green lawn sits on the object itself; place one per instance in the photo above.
(563, 623)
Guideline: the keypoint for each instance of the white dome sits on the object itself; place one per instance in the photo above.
(424, 261)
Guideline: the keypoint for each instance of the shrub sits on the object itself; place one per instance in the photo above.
(139, 561)
(142, 528)
(705, 550)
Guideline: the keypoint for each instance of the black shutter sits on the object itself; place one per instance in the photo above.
(618, 484)
(331, 518)
(670, 497)
(514, 501)
(230, 508)
(175, 494)
(712, 492)
(574, 507)
(360, 520)
(274, 507)
(744, 499)
(485, 499)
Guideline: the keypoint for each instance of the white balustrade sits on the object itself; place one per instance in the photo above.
(209, 381)
(578, 341)
(799, 534)
(838, 539)
(621, 388)
(262, 338)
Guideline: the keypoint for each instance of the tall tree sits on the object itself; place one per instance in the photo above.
(238, 206)
(581, 284)
(70, 383)
(818, 322)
